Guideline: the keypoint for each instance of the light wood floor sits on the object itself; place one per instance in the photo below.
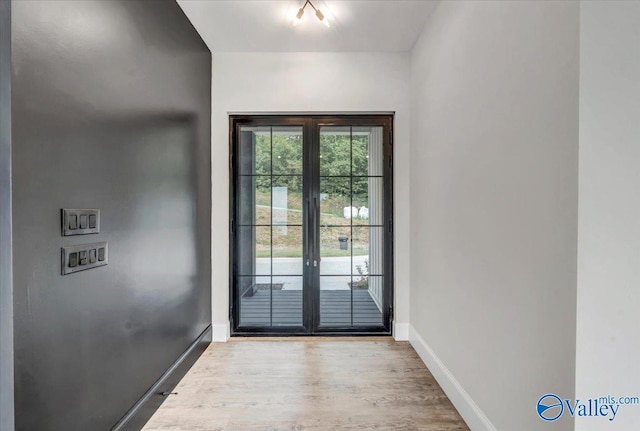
(308, 384)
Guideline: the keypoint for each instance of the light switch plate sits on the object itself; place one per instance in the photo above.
(84, 256)
(80, 221)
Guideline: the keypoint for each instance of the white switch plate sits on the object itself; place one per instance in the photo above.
(80, 221)
(71, 261)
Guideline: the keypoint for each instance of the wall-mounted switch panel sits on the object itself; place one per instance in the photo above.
(85, 256)
(80, 221)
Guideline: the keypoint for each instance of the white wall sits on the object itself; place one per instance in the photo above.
(608, 337)
(307, 82)
(494, 158)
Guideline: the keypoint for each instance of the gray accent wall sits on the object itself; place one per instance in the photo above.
(6, 273)
(111, 110)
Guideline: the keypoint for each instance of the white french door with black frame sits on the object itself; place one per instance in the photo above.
(311, 224)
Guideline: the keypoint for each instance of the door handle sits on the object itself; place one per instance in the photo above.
(316, 211)
(307, 262)
(315, 263)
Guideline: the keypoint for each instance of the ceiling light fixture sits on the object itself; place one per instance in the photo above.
(319, 14)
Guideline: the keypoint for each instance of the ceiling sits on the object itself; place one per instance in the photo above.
(267, 25)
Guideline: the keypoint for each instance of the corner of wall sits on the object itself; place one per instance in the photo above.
(6, 242)
(461, 400)
(400, 331)
(221, 332)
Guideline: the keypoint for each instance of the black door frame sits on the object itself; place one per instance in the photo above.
(311, 124)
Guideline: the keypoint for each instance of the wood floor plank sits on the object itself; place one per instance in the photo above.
(301, 383)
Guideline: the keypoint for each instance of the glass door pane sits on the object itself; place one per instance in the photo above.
(351, 234)
(311, 225)
(270, 232)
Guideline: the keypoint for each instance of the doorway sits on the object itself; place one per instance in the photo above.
(311, 224)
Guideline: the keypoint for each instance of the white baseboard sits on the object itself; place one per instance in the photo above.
(400, 331)
(468, 409)
(221, 332)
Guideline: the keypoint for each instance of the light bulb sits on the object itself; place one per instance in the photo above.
(300, 13)
(321, 17)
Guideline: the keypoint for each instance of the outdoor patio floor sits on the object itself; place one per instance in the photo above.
(335, 308)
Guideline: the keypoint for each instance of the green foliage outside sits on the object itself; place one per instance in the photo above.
(283, 156)
(279, 163)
